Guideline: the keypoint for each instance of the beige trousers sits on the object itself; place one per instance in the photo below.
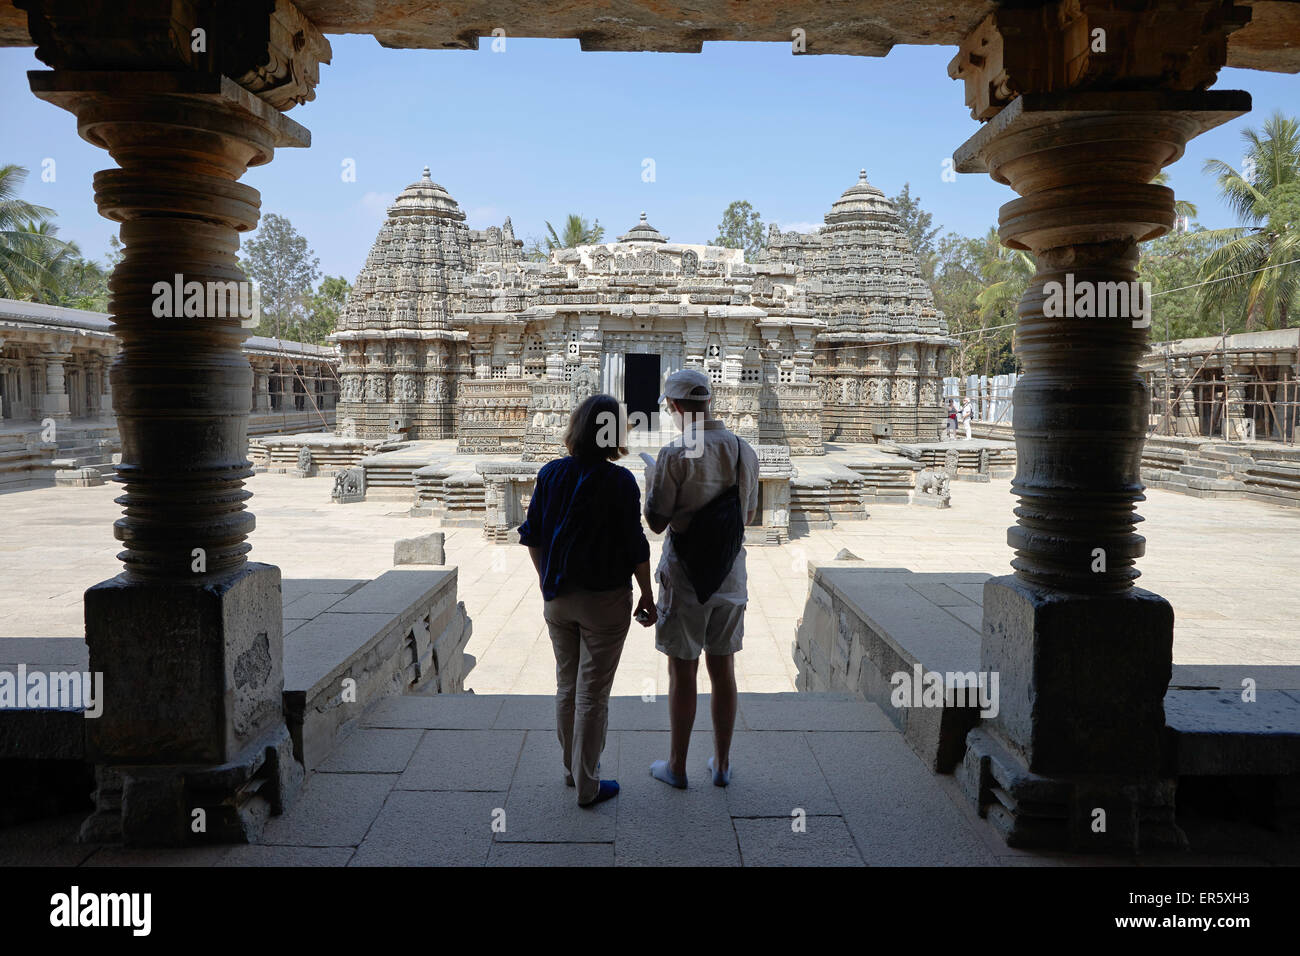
(587, 631)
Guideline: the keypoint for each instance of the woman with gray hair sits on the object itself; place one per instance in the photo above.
(584, 535)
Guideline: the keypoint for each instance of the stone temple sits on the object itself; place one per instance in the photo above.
(451, 332)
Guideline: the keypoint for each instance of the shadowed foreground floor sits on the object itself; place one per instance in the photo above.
(473, 780)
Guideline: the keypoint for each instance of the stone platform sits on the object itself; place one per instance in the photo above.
(978, 459)
(438, 481)
(1235, 724)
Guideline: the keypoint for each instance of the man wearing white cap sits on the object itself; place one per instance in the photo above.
(703, 488)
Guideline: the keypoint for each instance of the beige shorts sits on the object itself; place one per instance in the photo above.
(687, 628)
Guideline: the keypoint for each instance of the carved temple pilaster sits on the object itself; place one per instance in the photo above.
(189, 635)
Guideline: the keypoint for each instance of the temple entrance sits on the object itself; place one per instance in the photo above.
(641, 388)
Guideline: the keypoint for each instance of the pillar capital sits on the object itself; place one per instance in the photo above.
(1078, 45)
(267, 48)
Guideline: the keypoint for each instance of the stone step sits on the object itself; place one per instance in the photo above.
(1214, 484)
(1204, 471)
(1217, 733)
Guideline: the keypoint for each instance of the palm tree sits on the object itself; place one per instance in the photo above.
(1008, 272)
(576, 233)
(26, 246)
(61, 267)
(1256, 267)
(1182, 208)
(79, 283)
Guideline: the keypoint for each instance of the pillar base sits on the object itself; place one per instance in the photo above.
(1080, 722)
(193, 709)
(1082, 677)
(150, 805)
(1033, 811)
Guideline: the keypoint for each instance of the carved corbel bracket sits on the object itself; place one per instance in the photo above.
(1077, 45)
(267, 47)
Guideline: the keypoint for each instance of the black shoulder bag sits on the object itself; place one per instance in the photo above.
(708, 548)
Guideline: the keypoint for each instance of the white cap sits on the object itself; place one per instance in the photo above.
(687, 383)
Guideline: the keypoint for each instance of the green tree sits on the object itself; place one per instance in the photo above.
(1172, 265)
(741, 228)
(1182, 209)
(1252, 277)
(323, 309)
(79, 283)
(920, 229)
(279, 260)
(28, 243)
(576, 233)
(978, 284)
(115, 252)
(536, 249)
(67, 278)
(1007, 273)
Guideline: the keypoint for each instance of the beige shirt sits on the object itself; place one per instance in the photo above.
(691, 471)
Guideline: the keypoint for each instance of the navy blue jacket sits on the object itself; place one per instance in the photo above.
(587, 519)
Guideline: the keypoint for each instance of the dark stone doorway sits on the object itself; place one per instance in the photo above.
(641, 388)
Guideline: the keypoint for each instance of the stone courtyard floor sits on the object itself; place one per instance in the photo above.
(1230, 569)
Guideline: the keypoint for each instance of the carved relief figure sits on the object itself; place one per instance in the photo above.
(584, 384)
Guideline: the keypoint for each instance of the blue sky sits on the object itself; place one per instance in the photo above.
(542, 129)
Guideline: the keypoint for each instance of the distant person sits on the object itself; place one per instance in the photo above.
(950, 429)
(967, 413)
(585, 537)
(704, 489)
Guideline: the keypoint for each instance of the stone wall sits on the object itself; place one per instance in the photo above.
(404, 631)
(861, 627)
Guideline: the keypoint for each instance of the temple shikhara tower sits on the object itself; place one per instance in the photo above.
(451, 332)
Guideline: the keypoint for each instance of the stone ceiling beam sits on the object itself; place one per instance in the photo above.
(864, 28)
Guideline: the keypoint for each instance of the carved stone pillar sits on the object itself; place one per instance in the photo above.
(262, 386)
(481, 357)
(1189, 418)
(555, 357)
(189, 636)
(1235, 381)
(803, 365)
(96, 371)
(55, 403)
(1084, 657)
(35, 373)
